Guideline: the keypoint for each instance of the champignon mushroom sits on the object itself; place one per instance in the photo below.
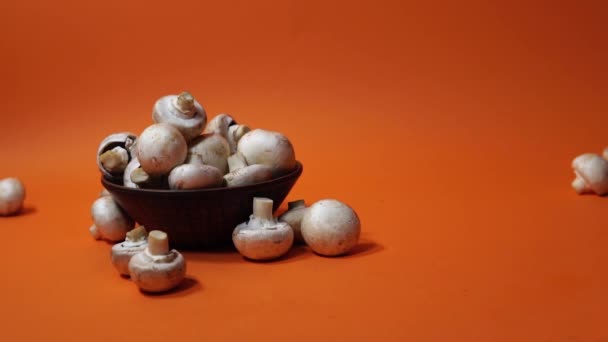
(247, 175)
(262, 237)
(182, 112)
(160, 148)
(330, 227)
(157, 269)
(111, 223)
(12, 195)
(209, 149)
(114, 152)
(591, 172)
(268, 148)
(194, 176)
(122, 252)
(293, 217)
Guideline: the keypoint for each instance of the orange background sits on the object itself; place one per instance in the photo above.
(448, 126)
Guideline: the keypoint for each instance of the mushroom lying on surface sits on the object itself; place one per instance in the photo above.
(114, 153)
(160, 148)
(591, 172)
(262, 238)
(209, 149)
(111, 223)
(268, 148)
(293, 217)
(123, 252)
(330, 227)
(182, 112)
(12, 195)
(157, 268)
(195, 176)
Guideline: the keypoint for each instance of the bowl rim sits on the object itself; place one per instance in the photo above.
(108, 184)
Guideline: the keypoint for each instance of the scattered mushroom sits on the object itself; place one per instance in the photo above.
(263, 237)
(194, 176)
(160, 148)
(12, 195)
(268, 148)
(591, 172)
(293, 217)
(114, 152)
(110, 221)
(123, 252)
(182, 112)
(330, 227)
(210, 149)
(157, 268)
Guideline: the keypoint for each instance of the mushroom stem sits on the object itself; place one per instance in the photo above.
(139, 176)
(185, 103)
(262, 208)
(158, 243)
(579, 185)
(137, 234)
(296, 204)
(236, 161)
(115, 160)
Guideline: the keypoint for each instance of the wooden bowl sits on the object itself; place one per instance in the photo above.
(197, 219)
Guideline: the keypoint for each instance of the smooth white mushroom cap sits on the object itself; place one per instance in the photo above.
(293, 217)
(122, 252)
(160, 148)
(247, 175)
(195, 176)
(12, 195)
(111, 222)
(591, 172)
(268, 148)
(182, 112)
(209, 149)
(330, 227)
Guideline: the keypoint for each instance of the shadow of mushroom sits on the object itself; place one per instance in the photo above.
(187, 287)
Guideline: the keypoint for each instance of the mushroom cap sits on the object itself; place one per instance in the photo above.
(330, 227)
(126, 179)
(189, 124)
(195, 176)
(247, 175)
(111, 221)
(267, 241)
(293, 217)
(154, 273)
(210, 149)
(160, 148)
(593, 169)
(12, 195)
(268, 148)
(123, 252)
(125, 140)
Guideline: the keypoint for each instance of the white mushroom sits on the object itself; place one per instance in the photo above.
(182, 112)
(591, 172)
(209, 149)
(268, 148)
(111, 223)
(195, 176)
(157, 268)
(123, 252)
(160, 148)
(262, 238)
(12, 195)
(247, 175)
(114, 153)
(330, 227)
(293, 217)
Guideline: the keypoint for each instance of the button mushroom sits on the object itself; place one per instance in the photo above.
(160, 148)
(157, 269)
(12, 195)
(268, 148)
(330, 227)
(111, 223)
(123, 252)
(209, 149)
(194, 176)
(242, 174)
(114, 153)
(293, 217)
(591, 172)
(262, 237)
(182, 112)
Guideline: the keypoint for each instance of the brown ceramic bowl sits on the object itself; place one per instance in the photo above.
(197, 219)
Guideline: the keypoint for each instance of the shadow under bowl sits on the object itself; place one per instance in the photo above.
(199, 219)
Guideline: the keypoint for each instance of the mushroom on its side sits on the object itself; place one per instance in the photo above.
(293, 217)
(262, 237)
(209, 149)
(591, 172)
(160, 148)
(114, 153)
(268, 148)
(111, 223)
(194, 176)
(182, 112)
(330, 227)
(12, 195)
(122, 252)
(157, 269)
(247, 175)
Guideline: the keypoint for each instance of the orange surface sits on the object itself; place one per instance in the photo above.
(448, 126)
